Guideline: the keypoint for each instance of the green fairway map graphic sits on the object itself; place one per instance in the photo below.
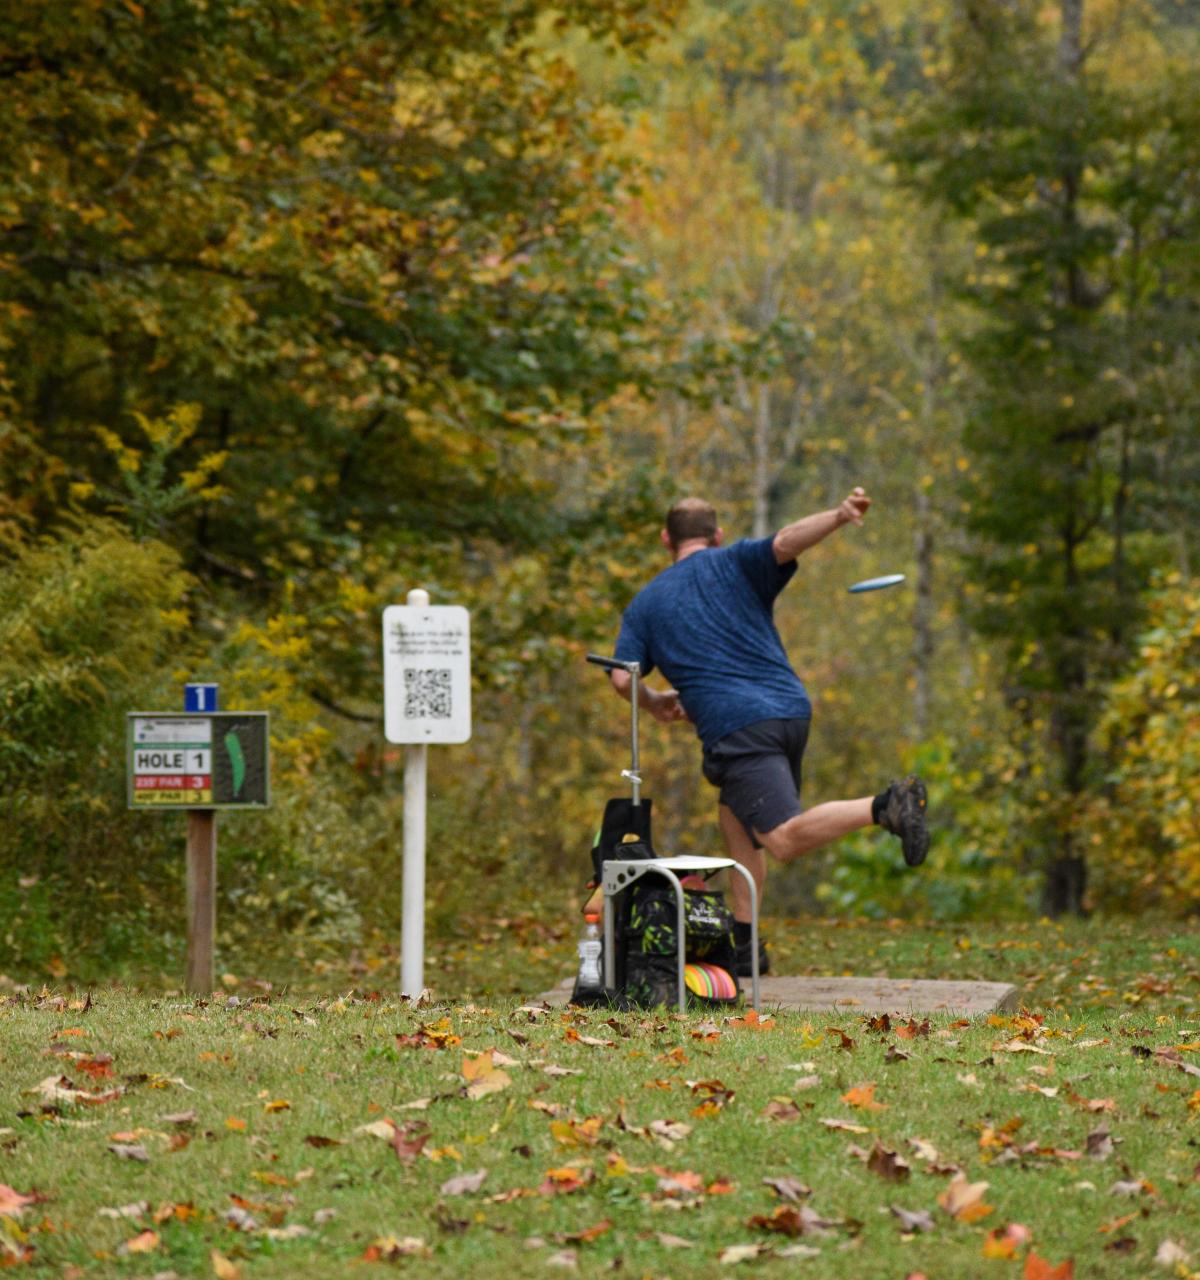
(238, 762)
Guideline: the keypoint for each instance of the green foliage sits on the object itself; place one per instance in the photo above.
(971, 871)
(371, 243)
(1144, 826)
(88, 624)
(1038, 134)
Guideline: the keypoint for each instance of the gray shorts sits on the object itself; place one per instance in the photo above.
(758, 771)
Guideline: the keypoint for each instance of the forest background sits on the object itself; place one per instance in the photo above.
(305, 304)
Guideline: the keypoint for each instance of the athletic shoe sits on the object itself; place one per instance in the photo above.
(904, 816)
(743, 959)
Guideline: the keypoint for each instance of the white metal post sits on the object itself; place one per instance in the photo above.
(412, 922)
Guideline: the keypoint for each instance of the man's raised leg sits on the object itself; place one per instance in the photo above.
(816, 827)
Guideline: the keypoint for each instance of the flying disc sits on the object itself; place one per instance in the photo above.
(710, 982)
(877, 584)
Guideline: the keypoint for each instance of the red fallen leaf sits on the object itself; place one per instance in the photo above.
(1116, 1224)
(408, 1142)
(862, 1096)
(98, 1066)
(785, 1220)
(673, 1184)
(845, 1041)
(562, 1182)
(881, 1023)
(319, 1140)
(13, 1203)
(912, 1029)
(144, 1242)
(720, 1187)
(1039, 1269)
(888, 1164)
(752, 1022)
(586, 1236)
(1004, 1241)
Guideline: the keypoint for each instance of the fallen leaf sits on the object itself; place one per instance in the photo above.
(732, 1254)
(567, 1258)
(1100, 1144)
(130, 1151)
(318, 1140)
(669, 1132)
(845, 1041)
(845, 1126)
(483, 1077)
(673, 1242)
(1171, 1254)
(143, 1242)
(577, 1133)
(963, 1200)
(408, 1142)
(1004, 1242)
(223, 1269)
(913, 1219)
(389, 1248)
(863, 1097)
(887, 1164)
(587, 1235)
(464, 1184)
(1039, 1269)
(180, 1118)
(13, 1203)
(131, 1211)
(781, 1109)
(279, 1104)
(752, 1021)
(788, 1188)
(785, 1220)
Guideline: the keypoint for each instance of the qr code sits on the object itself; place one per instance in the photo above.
(426, 693)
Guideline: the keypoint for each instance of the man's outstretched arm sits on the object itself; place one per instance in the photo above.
(794, 538)
(663, 704)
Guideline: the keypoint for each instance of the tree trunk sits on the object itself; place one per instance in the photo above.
(923, 642)
(1066, 874)
(762, 460)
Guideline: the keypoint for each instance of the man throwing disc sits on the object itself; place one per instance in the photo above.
(707, 624)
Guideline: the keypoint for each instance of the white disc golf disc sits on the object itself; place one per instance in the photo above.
(878, 584)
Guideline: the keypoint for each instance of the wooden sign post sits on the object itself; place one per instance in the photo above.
(201, 899)
(202, 760)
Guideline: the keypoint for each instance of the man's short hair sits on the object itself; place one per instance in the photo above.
(691, 518)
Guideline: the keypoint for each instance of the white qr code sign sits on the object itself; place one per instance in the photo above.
(426, 673)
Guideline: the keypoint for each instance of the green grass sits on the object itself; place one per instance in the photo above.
(1110, 998)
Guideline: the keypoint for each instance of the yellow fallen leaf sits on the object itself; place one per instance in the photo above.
(223, 1269)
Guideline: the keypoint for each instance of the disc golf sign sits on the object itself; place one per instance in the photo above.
(426, 673)
(198, 760)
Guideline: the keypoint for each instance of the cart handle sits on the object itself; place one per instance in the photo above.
(614, 664)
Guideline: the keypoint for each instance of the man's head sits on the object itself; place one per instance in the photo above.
(691, 520)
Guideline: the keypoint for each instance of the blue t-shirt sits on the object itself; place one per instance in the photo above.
(706, 623)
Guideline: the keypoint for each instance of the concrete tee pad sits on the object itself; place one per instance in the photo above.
(867, 995)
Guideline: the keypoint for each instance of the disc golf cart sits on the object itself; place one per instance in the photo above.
(626, 827)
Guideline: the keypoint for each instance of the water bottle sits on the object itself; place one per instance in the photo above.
(590, 977)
